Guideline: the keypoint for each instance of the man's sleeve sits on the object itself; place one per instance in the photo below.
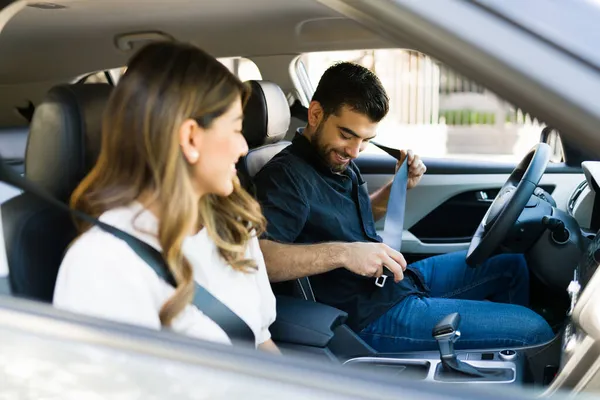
(283, 201)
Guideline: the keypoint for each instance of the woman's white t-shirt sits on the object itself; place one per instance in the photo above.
(101, 276)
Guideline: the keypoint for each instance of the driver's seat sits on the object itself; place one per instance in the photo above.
(266, 122)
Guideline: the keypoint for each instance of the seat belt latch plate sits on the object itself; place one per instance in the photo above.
(381, 280)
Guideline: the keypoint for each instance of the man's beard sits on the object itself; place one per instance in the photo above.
(324, 152)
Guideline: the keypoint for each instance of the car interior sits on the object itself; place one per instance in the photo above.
(50, 120)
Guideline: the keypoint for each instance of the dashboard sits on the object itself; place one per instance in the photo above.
(581, 337)
(583, 199)
(582, 206)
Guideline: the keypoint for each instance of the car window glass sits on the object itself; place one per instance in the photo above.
(241, 67)
(433, 110)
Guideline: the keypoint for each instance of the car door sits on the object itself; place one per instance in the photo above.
(443, 211)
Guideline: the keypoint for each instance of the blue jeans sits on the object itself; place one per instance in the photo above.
(503, 321)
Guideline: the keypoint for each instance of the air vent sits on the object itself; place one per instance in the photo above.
(47, 6)
(576, 193)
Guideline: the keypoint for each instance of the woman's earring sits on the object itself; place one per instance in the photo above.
(194, 156)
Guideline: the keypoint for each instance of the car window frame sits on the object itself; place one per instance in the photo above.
(43, 320)
(464, 36)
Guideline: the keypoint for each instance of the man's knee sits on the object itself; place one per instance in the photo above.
(515, 263)
(537, 330)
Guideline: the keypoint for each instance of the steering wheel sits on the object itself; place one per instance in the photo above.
(508, 204)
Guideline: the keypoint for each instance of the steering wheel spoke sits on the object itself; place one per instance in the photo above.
(508, 204)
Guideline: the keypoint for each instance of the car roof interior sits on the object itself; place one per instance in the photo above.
(65, 43)
(66, 40)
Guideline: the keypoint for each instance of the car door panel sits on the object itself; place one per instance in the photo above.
(443, 211)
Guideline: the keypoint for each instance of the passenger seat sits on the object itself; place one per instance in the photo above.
(63, 144)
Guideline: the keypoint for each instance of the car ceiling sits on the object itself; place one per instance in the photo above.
(40, 47)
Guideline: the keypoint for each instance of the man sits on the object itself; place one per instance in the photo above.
(321, 223)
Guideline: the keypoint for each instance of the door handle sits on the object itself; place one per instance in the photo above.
(483, 197)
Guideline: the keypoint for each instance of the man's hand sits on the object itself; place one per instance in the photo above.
(369, 259)
(416, 167)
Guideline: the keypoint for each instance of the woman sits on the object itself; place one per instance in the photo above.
(166, 174)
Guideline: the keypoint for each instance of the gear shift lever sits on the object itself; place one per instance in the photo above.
(446, 333)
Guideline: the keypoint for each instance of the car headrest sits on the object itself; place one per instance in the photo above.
(64, 136)
(266, 115)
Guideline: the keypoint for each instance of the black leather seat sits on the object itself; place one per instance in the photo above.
(63, 144)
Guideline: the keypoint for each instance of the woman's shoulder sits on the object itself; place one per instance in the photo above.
(100, 275)
(96, 247)
(132, 218)
(98, 243)
(98, 253)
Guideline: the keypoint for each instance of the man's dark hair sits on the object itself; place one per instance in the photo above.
(352, 85)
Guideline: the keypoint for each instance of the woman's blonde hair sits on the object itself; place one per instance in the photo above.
(165, 84)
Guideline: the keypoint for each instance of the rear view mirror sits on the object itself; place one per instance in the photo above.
(551, 137)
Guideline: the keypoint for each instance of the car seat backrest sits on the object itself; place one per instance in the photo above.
(63, 145)
(266, 121)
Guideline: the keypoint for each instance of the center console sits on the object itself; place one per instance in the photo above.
(498, 366)
(318, 329)
(506, 365)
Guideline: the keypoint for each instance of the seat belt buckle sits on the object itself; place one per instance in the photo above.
(381, 280)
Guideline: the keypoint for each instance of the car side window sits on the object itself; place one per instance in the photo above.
(110, 76)
(434, 110)
(241, 67)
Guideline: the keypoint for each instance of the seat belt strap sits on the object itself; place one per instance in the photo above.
(237, 330)
(394, 217)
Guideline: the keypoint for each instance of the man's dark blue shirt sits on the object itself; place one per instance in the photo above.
(305, 202)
